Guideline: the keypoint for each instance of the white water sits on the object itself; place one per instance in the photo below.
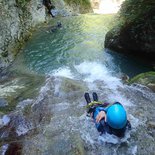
(108, 6)
(100, 79)
(91, 72)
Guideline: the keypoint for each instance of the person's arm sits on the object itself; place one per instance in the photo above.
(100, 116)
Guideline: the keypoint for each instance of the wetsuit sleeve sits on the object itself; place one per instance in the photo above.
(99, 125)
(102, 127)
(101, 109)
(97, 110)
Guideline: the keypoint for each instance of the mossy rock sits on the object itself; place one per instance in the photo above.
(22, 3)
(147, 79)
(19, 87)
(69, 85)
(134, 30)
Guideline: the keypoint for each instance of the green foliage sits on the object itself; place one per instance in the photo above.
(22, 3)
(78, 2)
(82, 3)
(137, 10)
(138, 16)
(139, 77)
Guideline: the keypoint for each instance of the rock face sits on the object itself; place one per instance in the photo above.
(17, 17)
(134, 34)
(147, 79)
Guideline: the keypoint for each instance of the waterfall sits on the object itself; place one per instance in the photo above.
(106, 6)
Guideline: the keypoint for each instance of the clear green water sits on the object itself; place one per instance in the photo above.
(80, 39)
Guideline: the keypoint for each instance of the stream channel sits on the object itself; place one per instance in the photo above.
(46, 87)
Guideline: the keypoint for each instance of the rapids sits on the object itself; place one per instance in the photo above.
(73, 60)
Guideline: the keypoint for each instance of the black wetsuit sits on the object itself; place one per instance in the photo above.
(48, 5)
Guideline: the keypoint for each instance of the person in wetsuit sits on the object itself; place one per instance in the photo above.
(108, 118)
(49, 6)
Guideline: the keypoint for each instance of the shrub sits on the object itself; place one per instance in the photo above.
(22, 3)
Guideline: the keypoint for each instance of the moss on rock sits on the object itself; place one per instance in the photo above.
(135, 30)
(147, 79)
(22, 3)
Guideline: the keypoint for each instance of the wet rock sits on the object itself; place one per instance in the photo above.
(3, 149)
(14, 149)
(151, 124)
(40, 112)
(55, 28)
(24, 104)
(17, 88)
(68, 86)
(147, 79)
(4, 54)
(151, 86)
(134, 34)
(125, 78)
(21, 125)
(17, 18)
(3, 102)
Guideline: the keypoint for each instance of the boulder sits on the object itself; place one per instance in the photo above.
(147, 79)
(135, 30)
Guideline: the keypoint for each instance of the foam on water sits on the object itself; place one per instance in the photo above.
(93, 71)
(63, 72)
(89, 72)
(6, 119)
(145, 91)
(91, 136)
(4, 149)
(117, 96)
(113, 139)
(134, 150)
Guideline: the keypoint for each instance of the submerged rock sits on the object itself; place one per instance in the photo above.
(15, 88)
(56, 27)
(3, 102)
(69, 86)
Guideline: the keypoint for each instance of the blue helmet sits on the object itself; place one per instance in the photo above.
(116, 116)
